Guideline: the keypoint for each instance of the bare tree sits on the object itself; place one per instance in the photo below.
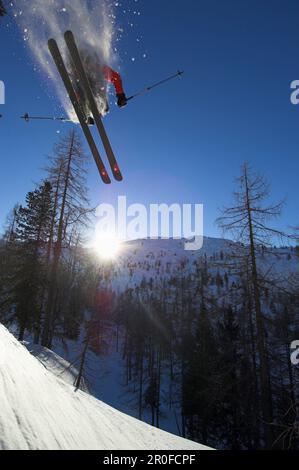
(247, 221)
(67, 176)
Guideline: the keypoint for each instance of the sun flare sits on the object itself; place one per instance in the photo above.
(107, 246)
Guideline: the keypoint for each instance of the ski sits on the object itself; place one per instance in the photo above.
(75, 56)
(57, 57)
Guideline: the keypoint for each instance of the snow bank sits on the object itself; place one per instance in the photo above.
(41, 411)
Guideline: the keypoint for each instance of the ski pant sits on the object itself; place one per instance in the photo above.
(113, 77)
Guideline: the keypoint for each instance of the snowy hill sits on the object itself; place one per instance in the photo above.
(40, 411)
(161, 259)
(139, 260)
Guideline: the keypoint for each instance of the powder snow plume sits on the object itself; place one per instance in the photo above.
(92, 22)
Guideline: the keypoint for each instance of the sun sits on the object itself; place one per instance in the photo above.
(107, 245)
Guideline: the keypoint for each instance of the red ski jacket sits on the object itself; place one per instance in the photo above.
(113, 77)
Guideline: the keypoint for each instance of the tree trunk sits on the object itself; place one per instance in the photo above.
(158, 388)
(82, 362)
(266, 395)
(46, 336)
(140, 386)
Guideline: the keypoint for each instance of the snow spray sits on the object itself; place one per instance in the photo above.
(92, 22)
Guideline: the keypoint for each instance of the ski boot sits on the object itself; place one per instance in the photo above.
(121, 100)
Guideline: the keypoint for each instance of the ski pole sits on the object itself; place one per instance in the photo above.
(149, 88)
(28, 118)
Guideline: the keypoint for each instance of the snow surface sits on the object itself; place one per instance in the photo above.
(161, 259)
(55, 364)
(141, 259)
(158, 260)
(39, 411)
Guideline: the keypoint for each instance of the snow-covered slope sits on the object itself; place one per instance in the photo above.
(157, 260)
(40, 411)
(161, 259)
(55, 364)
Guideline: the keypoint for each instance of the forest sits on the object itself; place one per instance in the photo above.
(207, 336)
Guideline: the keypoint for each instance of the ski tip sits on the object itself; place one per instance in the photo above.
(68, 34)
(52, 46)
(51, 42)
(118, 178)
(105, 177)
(116, 173)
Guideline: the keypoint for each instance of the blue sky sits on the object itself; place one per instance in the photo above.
(184, 142)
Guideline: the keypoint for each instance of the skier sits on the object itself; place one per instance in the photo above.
(113, 77)
(2, 9)
(85, 79)
(98, 75)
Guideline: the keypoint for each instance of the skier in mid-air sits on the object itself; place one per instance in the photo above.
(99, 76)
(85, 79)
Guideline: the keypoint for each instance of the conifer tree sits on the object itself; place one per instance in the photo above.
(31, 236)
